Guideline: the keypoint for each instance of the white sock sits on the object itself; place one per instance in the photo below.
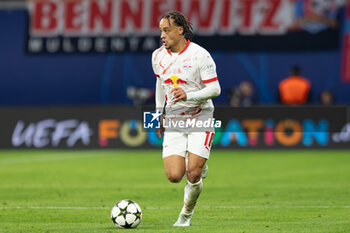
(191, 195)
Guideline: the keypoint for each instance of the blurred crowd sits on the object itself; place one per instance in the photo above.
(293, 90)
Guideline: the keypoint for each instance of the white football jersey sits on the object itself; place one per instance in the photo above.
(191, 69)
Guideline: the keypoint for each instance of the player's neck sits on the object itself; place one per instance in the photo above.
(179, 46)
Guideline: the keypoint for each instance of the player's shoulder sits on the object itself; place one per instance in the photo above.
(198, 49)
(202, 55)
(158, 51)
(200, 52)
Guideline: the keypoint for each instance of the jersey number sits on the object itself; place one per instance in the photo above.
(208, 139)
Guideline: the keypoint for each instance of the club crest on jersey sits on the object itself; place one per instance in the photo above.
(187, 67)
(175, 81)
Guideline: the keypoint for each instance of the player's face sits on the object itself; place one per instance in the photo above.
(171, 34)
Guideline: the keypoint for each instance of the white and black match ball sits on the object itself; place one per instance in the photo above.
(126, 214)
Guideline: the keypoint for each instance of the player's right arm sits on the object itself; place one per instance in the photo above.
(160, 101)
(160, 94)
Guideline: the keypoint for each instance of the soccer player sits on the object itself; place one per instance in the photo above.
(186, 82)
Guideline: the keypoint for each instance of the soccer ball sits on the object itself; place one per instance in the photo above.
(126, 214)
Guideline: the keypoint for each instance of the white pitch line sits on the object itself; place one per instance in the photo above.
(46, 158)
(169, 208)
(277, 207)
(54, 207)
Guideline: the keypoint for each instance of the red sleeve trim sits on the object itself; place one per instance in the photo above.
(210, 80)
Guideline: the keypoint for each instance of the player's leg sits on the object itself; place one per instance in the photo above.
(205, 171)
(194, 182)
(174, 152)
(195, 166)
(197, 157)
(175, 167)
(193, 189)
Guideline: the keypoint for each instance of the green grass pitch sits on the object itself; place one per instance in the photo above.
(245, 191)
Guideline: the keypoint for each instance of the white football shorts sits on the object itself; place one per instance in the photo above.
(179, 143)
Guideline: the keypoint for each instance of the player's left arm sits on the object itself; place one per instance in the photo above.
(207, 70)
(210, 90)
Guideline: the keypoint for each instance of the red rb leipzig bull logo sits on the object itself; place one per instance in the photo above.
(175, 81)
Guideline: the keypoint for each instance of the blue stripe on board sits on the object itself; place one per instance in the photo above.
(105, 83)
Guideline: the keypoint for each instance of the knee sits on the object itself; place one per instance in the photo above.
(174, 177)
(194, 175)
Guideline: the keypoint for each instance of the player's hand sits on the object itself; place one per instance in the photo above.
(179, 94)
(159, 132)
(161, 129)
